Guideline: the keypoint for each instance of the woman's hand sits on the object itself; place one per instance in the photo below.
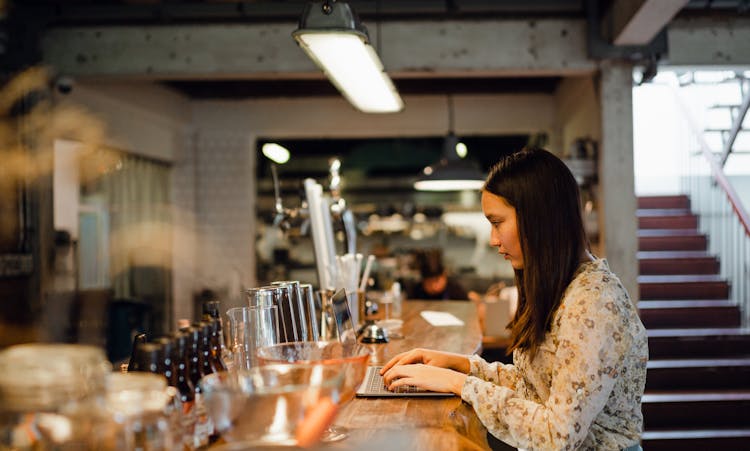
(425, 377)
(457, 362)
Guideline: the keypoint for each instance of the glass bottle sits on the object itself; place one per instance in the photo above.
(186, 388)
(138, 339)
(193, 355)
(200, 366)
(211, 310)
(169, 365)
(206, 360)
(149, 358)
(217, 361)
(174, 408)
(182, 356)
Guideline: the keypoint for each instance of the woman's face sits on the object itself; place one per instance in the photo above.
(504, 234)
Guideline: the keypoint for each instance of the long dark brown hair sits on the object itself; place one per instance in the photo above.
(550, 229)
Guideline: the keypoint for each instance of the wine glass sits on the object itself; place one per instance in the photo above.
(350, 357)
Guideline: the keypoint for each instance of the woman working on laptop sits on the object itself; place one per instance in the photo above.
(579, 347)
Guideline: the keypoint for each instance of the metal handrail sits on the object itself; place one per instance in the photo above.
(723, 217)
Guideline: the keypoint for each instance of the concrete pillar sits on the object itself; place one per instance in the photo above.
(618, 223)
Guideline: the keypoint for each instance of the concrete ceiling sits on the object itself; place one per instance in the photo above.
(61, 14)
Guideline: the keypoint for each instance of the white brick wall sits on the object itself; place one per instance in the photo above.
(184, 225)
(225, 197)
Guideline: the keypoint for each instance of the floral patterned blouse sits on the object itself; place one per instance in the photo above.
(583, 388)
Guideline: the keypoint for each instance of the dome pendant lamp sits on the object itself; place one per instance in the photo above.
(452, 172)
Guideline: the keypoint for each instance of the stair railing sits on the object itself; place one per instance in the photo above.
(722, 216)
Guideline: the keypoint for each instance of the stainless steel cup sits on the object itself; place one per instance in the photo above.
(291, 309)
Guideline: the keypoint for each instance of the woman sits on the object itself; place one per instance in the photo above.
(579, 347)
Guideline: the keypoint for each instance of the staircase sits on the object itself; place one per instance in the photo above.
(698, 384)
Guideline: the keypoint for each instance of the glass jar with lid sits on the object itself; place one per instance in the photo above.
(52, 397)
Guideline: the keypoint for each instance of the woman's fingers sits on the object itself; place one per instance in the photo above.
(391, 363)
(395, 373)
(421, 376)
(413, 356)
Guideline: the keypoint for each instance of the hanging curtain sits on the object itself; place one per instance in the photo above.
(137, 193)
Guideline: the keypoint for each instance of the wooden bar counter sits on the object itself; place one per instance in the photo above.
(418, 423)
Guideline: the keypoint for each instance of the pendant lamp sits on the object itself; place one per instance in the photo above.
(452, 172)
(332, 36)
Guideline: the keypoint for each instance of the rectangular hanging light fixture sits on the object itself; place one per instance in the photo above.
(334, 38)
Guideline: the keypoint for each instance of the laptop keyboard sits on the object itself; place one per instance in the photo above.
(376, 385)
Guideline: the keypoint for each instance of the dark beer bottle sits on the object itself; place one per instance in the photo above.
(184, 383)
(186, 388)
(169, 361)
(206, 362)
(217, 362)
(200, 366)
(149, 358)
(137, 340)
(211, 311)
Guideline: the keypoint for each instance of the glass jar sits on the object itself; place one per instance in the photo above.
(142, 403)
(52, 397)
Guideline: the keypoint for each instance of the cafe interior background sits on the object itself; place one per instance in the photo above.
(134, 177)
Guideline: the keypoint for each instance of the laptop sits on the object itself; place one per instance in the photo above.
(374, 387)
(342, 316)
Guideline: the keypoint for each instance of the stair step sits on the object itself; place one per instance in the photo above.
(662, 212)
(666, 218)
(696, 286)
(675, 201)
(700, 343)
(667, 233)
(668, 222)
(698, 409)
(681, 278)
(677, 262)
(681, 314)
(698, 374)
(696, 439)
(679, 255)
(671, 240)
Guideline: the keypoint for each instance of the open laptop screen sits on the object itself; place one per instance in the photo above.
(343, 316)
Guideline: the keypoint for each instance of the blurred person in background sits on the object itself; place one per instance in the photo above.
(435, 283)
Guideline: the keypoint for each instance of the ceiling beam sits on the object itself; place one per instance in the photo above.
(66, 12)
(711, 42)
(541, 47)
(637, 22)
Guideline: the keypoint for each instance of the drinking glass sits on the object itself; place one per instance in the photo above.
(142, 403)
(391, 321)
(291, 298)
(261, 296)
(311, 311)
(251, 328)
(328, 330)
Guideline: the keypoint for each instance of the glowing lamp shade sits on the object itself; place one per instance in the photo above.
(332, 36)
(451, 173)
(446, 176)
(275, 152)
